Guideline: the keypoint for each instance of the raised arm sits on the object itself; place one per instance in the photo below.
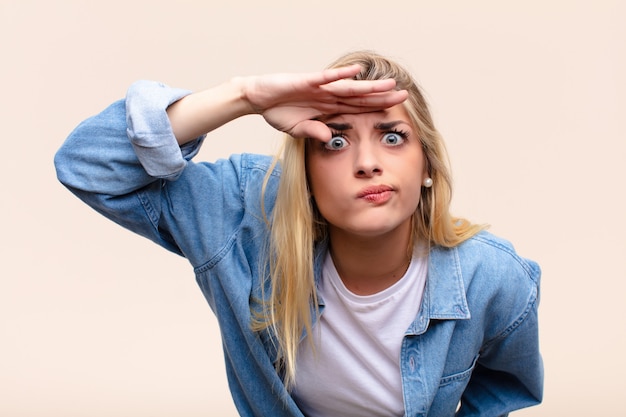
(288, 102)
(122, 160)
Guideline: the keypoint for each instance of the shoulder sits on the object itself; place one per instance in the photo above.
(496, 257)
(234, 184)
(495, 277)
(262, 163)
(258, 173)
(246, 169)
(258, 177)
(489, 269)
(501, 286)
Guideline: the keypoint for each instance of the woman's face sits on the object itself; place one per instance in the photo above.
(366, 180)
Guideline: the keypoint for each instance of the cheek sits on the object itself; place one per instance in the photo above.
(312, 177)
(413, 172)
(322, 187)
(321, 174)
(414, 198)
(327, 190)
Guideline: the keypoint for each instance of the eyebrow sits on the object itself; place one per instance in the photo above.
(339, 126)
(388, 125)
(379, 126)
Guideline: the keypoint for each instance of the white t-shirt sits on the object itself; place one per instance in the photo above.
(355, 369)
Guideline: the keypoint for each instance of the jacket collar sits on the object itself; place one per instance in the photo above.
(444, 294)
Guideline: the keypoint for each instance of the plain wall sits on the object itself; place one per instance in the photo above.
(530, 96)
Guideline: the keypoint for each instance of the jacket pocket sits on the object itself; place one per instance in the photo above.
(458, 377)
(451, 388)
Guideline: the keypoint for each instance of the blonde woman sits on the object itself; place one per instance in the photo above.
(342, 284)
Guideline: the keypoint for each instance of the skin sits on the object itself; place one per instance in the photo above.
(366, 183)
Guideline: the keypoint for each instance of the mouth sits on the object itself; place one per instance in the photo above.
(377, 194)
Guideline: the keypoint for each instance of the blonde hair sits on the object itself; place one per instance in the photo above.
(297, 225)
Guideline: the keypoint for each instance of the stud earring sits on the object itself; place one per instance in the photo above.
(428, 182)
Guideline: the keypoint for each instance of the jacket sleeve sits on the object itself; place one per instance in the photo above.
(126, 148)
(509, 372)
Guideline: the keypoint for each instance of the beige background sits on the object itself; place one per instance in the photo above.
(530, 96)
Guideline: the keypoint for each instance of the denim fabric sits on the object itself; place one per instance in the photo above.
(474, 341)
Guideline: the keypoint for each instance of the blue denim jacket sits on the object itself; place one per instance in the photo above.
(475, 339)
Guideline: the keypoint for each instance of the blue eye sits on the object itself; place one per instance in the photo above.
(394, 138)
(336, 143)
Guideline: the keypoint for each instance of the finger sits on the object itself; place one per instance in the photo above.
(334, 74)
(311, 129)
(340, 73)
(365, 103)
(347, 88)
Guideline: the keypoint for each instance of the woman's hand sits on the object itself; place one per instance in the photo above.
(292, 102)
(288, 102)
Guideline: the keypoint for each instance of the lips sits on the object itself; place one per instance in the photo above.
(376, 194)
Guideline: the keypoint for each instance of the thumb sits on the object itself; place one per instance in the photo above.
(311, 129)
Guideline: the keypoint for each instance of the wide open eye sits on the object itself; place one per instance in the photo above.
(336, 143)
(394, 138)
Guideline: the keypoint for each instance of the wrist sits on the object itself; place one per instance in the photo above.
(204, 111)
(240, 87)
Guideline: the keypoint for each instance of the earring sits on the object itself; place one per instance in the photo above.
(428, 182)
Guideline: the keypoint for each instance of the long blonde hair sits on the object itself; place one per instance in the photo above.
(297, 226)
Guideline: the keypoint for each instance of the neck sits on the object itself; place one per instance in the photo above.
(370, 265)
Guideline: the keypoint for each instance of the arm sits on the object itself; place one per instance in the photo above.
(159, 119)
(509, 372)
(100, 160)
(288, 102)
(120, 161)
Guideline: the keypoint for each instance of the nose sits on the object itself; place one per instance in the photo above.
(366, 160)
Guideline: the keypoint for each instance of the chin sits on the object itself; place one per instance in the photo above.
(372, 230)
(373, 226)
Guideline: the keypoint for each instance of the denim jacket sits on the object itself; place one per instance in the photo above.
(474, 340)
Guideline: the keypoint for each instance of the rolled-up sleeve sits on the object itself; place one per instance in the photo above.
(117, 160)
(127, 146)
(150, 132)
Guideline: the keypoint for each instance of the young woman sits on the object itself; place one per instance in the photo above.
(341, 283)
